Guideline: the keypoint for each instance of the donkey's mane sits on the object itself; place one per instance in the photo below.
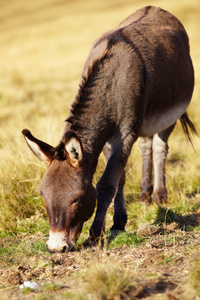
(85, 90)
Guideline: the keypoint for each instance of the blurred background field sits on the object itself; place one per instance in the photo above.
(44, 45)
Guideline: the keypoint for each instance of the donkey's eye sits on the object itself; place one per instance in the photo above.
(75, 201)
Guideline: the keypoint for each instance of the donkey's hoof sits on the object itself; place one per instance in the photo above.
(91, 242)
(160, 198)
(145, 198)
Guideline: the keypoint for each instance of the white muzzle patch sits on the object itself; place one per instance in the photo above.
(57, 242)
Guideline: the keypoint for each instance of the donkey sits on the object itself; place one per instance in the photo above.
(137, 82)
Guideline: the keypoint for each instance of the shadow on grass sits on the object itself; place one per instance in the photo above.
(167, 216)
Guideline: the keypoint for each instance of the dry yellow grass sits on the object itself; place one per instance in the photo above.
(44, 45)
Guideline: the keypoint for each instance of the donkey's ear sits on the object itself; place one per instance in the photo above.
(42, 150)
(74, 148)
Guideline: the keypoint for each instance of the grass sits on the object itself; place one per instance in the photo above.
(52, 287)
(16, 249)
(40, 98)
(109, 282)
(44, 45)
(128, 239)
(34, 224)
(195, 275)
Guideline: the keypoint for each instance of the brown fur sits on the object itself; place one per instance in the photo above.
(137, 82)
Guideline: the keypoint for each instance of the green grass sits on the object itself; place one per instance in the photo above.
(51, 287)
(128, 239)
(26, 240)
(16, 249)
(40, 98)
(34, 224)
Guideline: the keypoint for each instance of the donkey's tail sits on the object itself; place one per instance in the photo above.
(188, 127)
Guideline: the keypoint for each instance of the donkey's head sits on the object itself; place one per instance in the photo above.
(66, 188)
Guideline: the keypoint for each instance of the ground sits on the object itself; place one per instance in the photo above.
(162, 267)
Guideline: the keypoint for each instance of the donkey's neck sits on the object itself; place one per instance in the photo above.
(89, 119)
(92, 115)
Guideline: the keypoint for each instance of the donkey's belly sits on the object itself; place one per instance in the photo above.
(159, 122)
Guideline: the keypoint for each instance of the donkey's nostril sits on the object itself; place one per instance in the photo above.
(64, 249)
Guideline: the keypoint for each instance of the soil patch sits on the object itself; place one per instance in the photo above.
(162, 266)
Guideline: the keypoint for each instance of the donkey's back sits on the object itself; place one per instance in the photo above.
(147, 63)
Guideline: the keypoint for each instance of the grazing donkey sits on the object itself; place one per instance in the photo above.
(137, 82)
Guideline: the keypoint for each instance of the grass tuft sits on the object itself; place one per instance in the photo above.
(128, 239)
(109, 282)
(27, 290)
(51, 287)
(195, 274)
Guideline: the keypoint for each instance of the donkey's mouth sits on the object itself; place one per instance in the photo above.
(58, 243)
(61, 249)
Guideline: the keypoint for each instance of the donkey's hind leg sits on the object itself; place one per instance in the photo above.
(145, 145)
(160, 150)
(120, 214)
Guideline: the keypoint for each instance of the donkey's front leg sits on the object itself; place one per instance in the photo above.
(106, 190)
(160, 150)
(120, 214)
